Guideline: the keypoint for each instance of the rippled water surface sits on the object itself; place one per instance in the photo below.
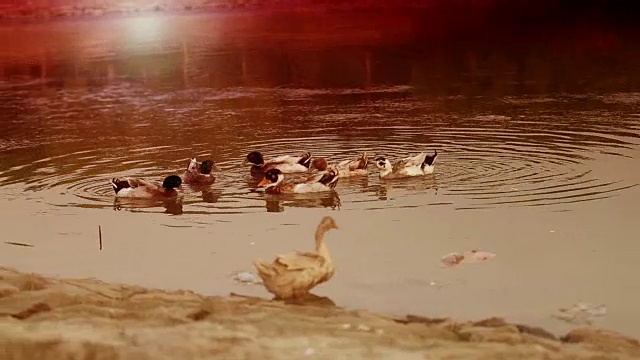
(499, 155)
(545, 176)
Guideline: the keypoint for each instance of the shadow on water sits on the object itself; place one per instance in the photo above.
(277, 203)
(208, 194)
(171, 206)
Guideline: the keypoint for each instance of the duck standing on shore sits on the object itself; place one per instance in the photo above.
(294, 274)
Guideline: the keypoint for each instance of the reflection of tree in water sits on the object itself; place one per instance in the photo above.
(172, 206)
(277, 203)
(386, 54)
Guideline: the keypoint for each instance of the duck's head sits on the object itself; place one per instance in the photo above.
(272, 176)
(328, 223)
(172, 182)
(254, 158)
(382, 162)
(193, 165)
(319, 164)
(207, 166)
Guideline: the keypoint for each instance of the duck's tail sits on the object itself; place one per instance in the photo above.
(119, 184)
(330, 178)
(363, 161)
(305, 159)
(264, 270)
(429, 160)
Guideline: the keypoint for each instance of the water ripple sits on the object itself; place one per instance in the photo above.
(532, 158)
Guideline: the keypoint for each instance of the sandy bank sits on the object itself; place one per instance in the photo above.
(50, 318)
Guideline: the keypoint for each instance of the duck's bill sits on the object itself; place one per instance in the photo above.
(263, 182)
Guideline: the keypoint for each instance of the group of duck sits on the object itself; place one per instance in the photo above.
(292, 275)
(304, 174)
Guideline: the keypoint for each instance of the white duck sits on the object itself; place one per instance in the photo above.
(138, 188)
(275, 183)
(418, 165)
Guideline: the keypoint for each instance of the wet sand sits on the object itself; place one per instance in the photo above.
(54, 318)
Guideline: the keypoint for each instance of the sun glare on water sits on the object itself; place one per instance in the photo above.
(145, 28)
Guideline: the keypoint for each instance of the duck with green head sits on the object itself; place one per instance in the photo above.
(138, 188)
(287, 164)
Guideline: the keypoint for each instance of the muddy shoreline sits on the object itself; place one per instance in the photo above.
(53, 318)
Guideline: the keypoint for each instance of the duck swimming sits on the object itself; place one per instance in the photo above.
(285, 163)
(292, 275)
(347, 168)
(275, 183)
(199, 173)
(138, 188)
(418, 165)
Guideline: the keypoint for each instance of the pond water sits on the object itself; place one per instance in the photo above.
(538, 160)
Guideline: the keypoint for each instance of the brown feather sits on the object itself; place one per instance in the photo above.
(292, 275)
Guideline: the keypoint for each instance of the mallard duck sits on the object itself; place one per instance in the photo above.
(199, 173)
(421, 164)
(285, 163)
(293, 275)
(275, 183)
(349, 167)
(138, 188)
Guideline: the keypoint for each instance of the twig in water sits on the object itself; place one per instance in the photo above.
(100, 236)
(18, 244)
